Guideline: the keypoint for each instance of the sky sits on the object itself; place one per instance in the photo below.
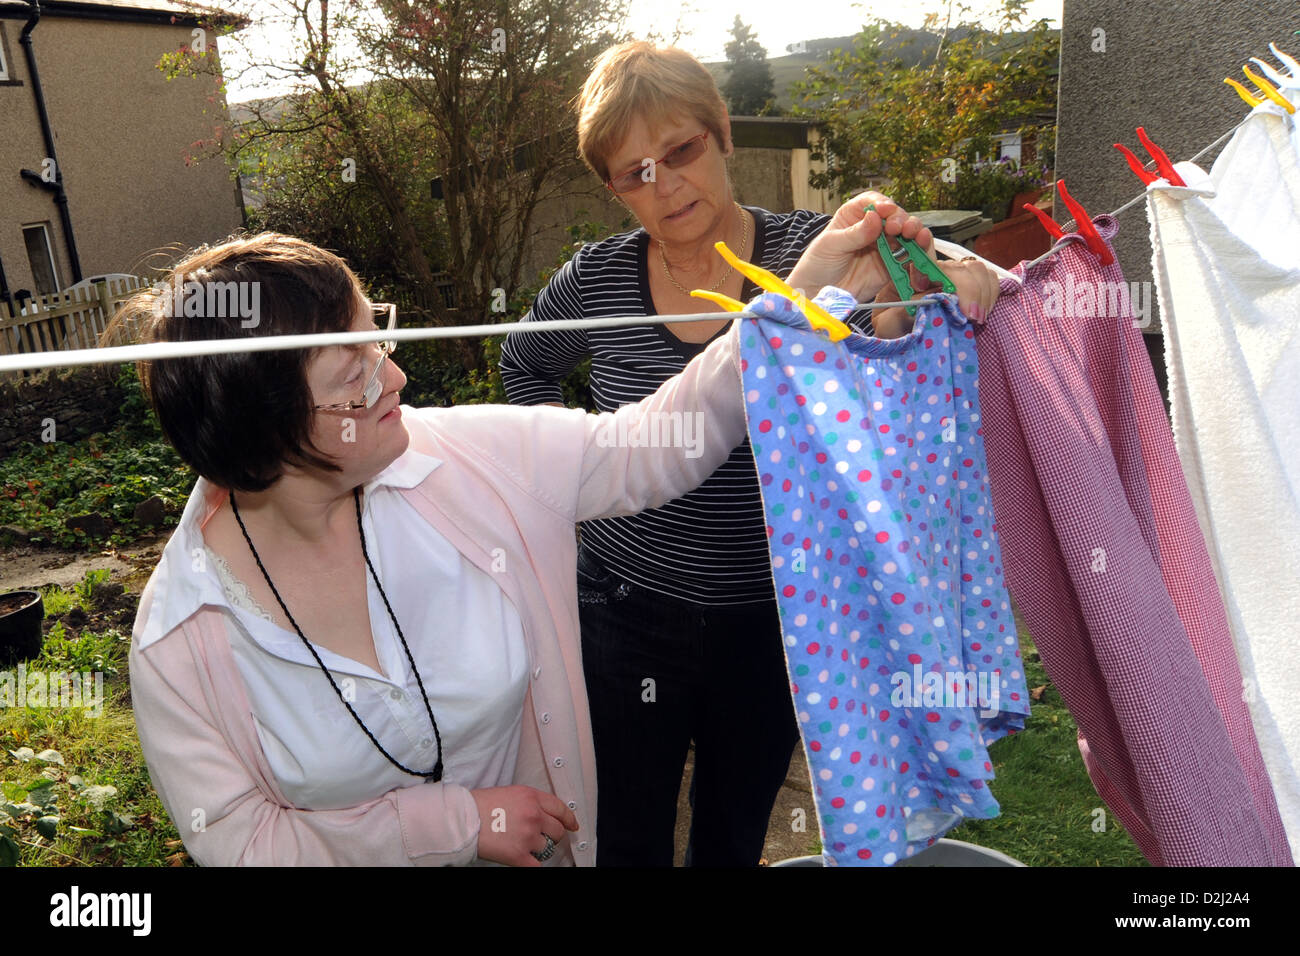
(706, 27)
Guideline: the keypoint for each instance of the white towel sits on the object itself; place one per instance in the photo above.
(1226, 263)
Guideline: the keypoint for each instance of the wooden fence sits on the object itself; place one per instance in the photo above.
(65, 320)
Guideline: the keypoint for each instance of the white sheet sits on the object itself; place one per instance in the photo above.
(1226, 262)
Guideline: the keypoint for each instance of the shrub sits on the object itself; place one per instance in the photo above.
(43, 485)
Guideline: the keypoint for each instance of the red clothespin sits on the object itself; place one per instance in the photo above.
(1055, 231)
(1164, 168)
(1085, 226)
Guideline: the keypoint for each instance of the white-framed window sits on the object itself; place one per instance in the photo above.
(4, 64)
(1009, 145)
(1004, 145)
(40, 256)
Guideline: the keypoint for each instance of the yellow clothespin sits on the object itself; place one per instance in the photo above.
(818, 317)
(1243, 92)
(1266, 88)
(1269, 90)
(726, 301)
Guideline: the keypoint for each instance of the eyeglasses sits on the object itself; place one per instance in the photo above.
(374, 386)
(680, 155)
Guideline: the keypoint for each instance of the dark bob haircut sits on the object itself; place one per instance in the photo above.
(239, 420)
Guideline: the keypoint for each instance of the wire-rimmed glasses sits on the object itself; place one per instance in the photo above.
(679, 155)
(374, 385)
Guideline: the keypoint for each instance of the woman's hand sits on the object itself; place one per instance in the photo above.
(515, 821)
(977, 290)
(844, 254)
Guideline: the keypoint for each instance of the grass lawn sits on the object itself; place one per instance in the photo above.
(1051, 815)
(73, 786)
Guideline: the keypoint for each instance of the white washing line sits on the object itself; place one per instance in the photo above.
(270, 343)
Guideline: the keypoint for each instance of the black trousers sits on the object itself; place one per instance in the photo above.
(661, 673)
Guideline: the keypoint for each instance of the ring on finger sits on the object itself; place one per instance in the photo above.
(547, 853)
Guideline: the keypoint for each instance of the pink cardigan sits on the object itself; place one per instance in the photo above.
(512, 478)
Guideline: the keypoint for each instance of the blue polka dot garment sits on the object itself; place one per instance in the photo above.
(902, 651)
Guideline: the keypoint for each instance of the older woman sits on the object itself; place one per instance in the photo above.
(681, 596)
(360, 644)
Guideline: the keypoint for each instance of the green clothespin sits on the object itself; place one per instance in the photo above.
(894, 263)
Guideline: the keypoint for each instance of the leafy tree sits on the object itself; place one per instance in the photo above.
(494, 79)
(307, 183)
(918, 124)
(749, 87)
(391, 95)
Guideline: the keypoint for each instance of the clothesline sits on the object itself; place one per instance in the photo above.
(1136, 199)
(153, 351)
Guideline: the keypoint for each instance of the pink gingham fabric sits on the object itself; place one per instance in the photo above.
(1106, 561)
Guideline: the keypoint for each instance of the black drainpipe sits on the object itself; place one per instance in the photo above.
(56, 187)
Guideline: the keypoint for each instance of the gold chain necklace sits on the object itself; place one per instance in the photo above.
(744, 238)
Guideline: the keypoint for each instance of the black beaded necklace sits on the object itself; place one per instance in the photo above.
(436, 773)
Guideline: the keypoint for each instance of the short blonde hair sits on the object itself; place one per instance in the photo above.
(658, 83)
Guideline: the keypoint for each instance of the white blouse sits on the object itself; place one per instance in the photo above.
(464, 634)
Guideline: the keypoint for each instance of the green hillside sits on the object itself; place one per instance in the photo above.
(910, 46)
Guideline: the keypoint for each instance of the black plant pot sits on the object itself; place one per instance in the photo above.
(21, 614)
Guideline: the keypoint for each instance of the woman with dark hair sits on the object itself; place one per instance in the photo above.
(360, 645)
(682, 594)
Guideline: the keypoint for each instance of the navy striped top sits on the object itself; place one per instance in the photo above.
(708, 546)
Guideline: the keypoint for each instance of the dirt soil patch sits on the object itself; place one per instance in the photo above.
(32, 567)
